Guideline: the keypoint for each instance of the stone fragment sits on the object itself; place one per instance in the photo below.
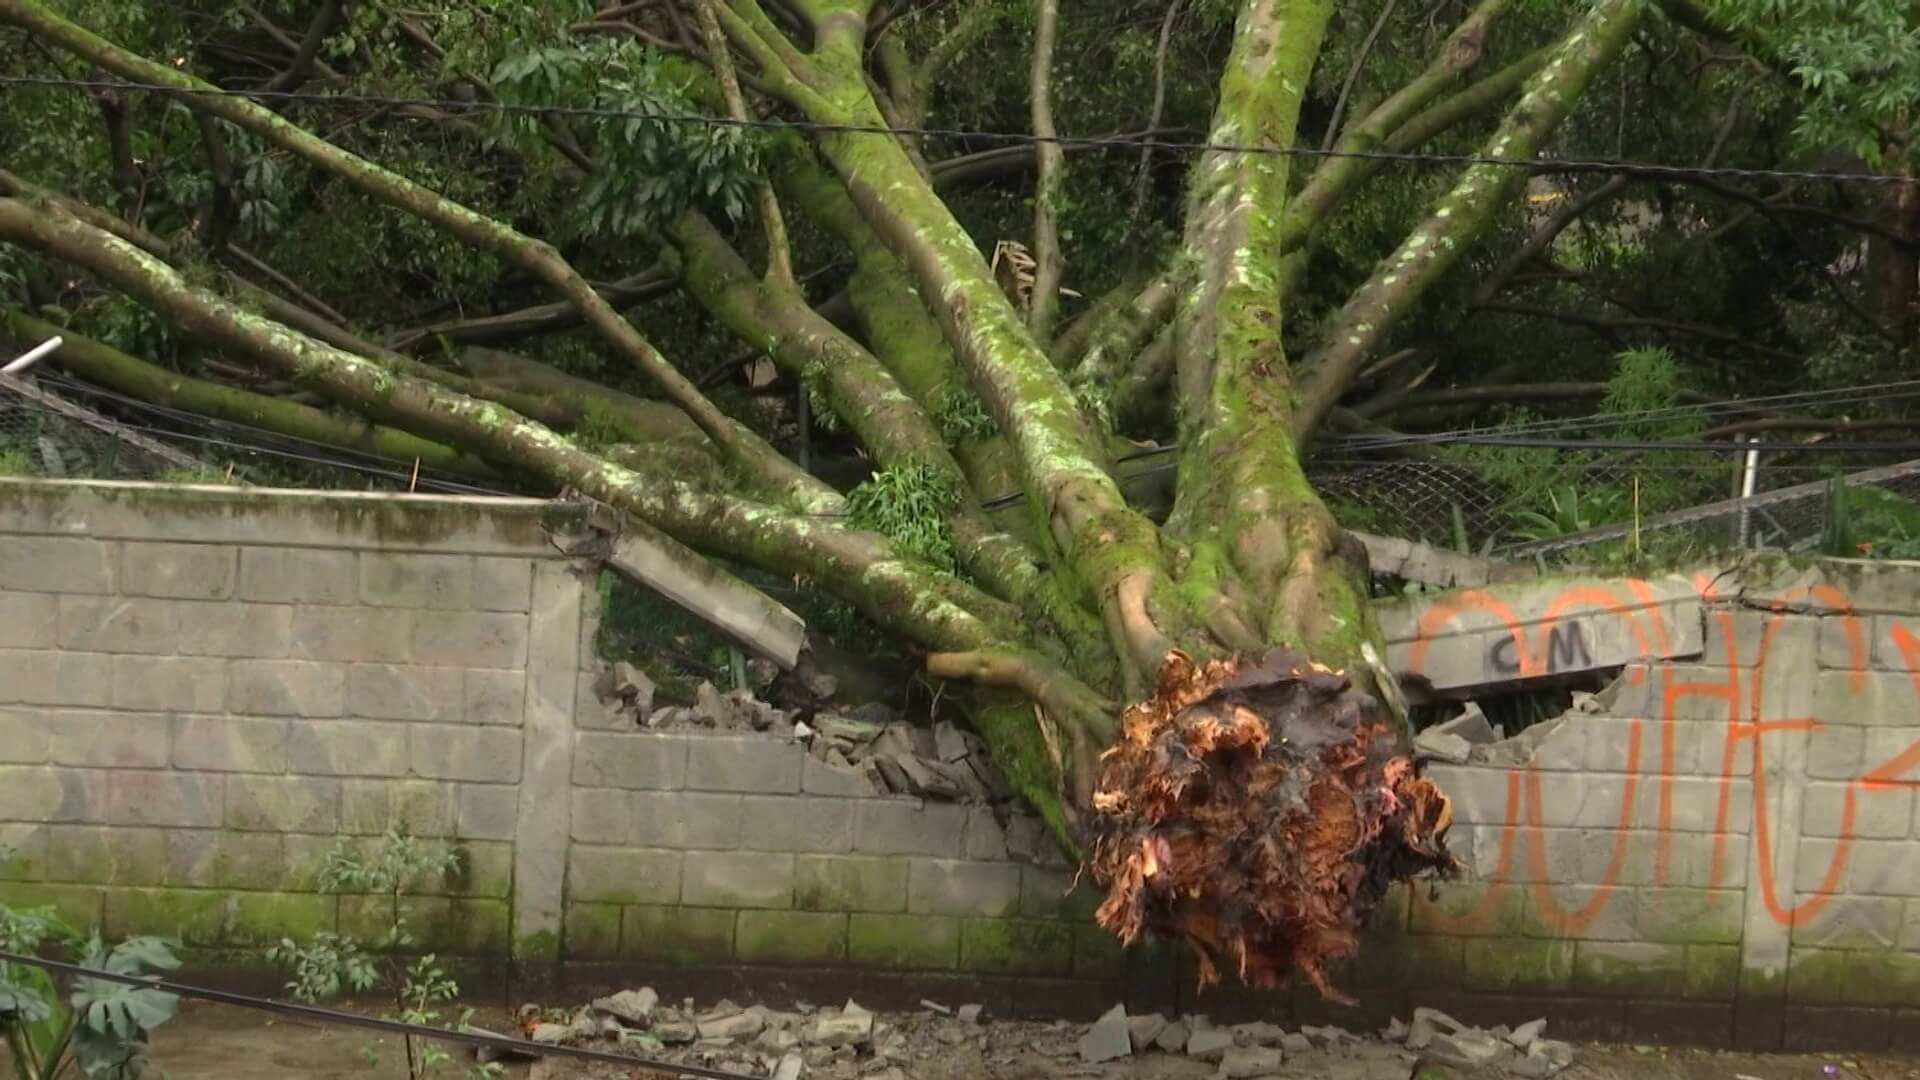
(935, 1007)
(1471, 725)
(1173, 1038)
(841, 1028)
(1209, 1045)
(1467, 1049)
(1396, 1030)
(550, 1034)
(924, 780)
(1241, 1062)
(1294, 1042)
(1436, 745)
(1257, 1033)
(675, 1032)
(631, 1007)
(968, 1014)
(1427, 1023)
(791, 1067)
(1108, 1038)
(1144, 1030)
(1527, 1034)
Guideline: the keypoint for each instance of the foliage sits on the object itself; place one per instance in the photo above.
(103, 1026)
(1870, 522)
(1568, 513)
(328, 964)
(908, 504)
(961, 415)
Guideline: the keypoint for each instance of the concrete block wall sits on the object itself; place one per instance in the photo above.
(201, 690)
(1719, 847)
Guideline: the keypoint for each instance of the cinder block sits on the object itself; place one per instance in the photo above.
(23, 852)
(737, 879)
(230, 744)
(1879, 699)
(986, 837)
(169, 684)
(1690, 916)
(905, 827)
(180, 800)
(488, 811)
(671, 819)
(1853, 922)
(623, 875)
(1517, 967)
(1816, 862)
(1016, 947)
(796, 938)
(495, 698)
(630, 760)
(300, 804)
(55, 678)
(810, 823)
(1754, 637)
(1836, 752)
(421, 807)
(502, 584)
(118, 625)
(1628, 968)
(1698, 805)
(1910, 927)
(442, 925)
(850, 883)
(947, 887)
(1479, 794)
(405, 692)
(89, 855)
(435, 582)
(819, 778)
(483, 755)
(287, 688)
(1582, 912)
(57, 564)
(692, 937)
(180, 571)
(1889, 631)
(1057, 893)
(347, 748)
(110, 740)
(603, 816)
(29, 620)
(275, 575)
(1881, 813)
(744, 763)
(25, 736)
(474, 639)
(40, 794)
(592, 932)
(346, 634)
(238, 631)
(1671, 858)
(207, 859)
(904, 942)
(1846, 642)
(1881, 868)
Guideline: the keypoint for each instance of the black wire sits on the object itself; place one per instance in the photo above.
(373, 1023)
(1130, 142)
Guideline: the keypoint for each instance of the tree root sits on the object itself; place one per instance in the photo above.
(1259, 809)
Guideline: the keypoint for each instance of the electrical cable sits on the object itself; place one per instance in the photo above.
(373, 1023)
(1122, 142)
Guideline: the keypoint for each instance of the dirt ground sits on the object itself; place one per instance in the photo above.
(209, 1042)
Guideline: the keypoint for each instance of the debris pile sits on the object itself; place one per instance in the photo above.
(848, 1042)
(1259, 811)
(868, 744)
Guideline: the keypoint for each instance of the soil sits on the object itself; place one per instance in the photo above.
(211, 1042)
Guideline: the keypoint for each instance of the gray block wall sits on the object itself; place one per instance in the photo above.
(202, 689)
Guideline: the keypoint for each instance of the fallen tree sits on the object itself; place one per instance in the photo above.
(1198, 702)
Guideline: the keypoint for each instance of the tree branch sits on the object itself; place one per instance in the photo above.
(301, 69)
(1459, 217)
(225, 212)
(1159, 104)
(779, 254)
(1043, 306)
(739, 444)
(1544, 235)
(1613, 327)
(1353, 73)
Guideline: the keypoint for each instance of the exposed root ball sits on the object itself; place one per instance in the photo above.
(1259, 810)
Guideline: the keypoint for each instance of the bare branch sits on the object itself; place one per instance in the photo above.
(301, 69)
(1159, 103)
(779, 254)
(1353, 73)
(1044, 306)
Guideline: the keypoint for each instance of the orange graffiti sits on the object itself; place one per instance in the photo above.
(1748, 722)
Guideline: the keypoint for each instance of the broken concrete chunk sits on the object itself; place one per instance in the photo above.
(1436, 745)
(1209, 1045)
(1294, 1042)
(1241, 1062)
(1108, 1038)
(1396, 1030)
(968, 1014)
(1172, 1038)
(893, 778)
(728, 1026)
(631, 1007)
(1258, 1033)
(1143, 1030)
(550, 1034)
(1467, 1049)
(675, 1032)
(840, 1029)
(1470, 725)
(926, 782)
(947, 742)
(791, 1067)
(1527, 1034)
(1426, 1024)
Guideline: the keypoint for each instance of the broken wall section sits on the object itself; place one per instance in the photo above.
(1719, 846)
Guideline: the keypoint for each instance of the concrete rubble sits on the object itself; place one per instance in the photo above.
(868, 746)
(850, 1042)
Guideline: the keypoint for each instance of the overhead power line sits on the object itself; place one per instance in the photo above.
(1602, 166)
